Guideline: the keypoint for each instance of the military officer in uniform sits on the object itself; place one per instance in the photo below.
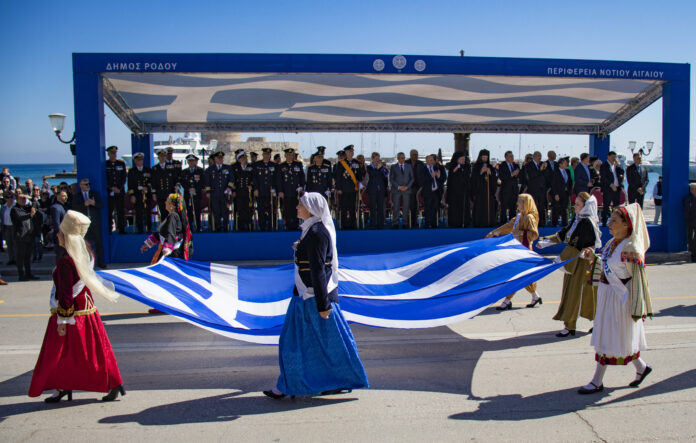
(116, 187)
(319, 177)
(163, 182)
(175, 165)
(193, 183)
(264, 189)
(322, 150)
(290, 180)
(139, 177)
(348, 177)
(243, 192)
(219, 181)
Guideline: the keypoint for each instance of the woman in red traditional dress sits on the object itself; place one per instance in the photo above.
(76, 353)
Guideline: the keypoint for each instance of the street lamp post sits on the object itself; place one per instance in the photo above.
(57, 121)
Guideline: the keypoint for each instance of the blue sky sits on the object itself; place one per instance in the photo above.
(37, 39)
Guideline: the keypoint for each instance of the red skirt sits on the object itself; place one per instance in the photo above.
(81, 360)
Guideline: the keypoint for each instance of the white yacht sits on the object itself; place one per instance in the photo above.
(183, 146)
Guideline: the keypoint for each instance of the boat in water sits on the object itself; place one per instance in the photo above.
(190, 143)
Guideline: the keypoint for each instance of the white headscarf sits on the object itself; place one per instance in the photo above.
(589, 211)
(639, 240)
(74, 227)
(318, 206)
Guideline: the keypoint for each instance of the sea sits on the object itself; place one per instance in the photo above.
(37, 171)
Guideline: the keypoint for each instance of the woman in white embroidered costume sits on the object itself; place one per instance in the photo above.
(76, 353)
(623, 298)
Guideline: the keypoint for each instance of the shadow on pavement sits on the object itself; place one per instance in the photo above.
(549, 404)
(218, 408)
(678, 311)
(38, 405)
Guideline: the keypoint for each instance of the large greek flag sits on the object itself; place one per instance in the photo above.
(412, 289)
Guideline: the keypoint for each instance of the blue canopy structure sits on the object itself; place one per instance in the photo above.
(367, 93)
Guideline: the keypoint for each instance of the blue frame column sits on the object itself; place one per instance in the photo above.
(144, 143)
(89, 131)
(675, 160)
(599, 146)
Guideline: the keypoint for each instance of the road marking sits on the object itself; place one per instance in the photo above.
(684, 297)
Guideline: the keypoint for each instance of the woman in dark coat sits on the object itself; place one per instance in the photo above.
(174, 236)
(484, 184)
(458, 183)
(317, 351)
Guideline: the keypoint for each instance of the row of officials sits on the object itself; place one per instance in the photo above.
(253, 189)
(482, 194)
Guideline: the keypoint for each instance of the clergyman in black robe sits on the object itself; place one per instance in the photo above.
(484, 184)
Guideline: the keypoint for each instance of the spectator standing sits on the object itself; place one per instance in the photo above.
(484, 183)
(535, 171)
(583, 177)
(432, 181)
(88, 202)
(637, 177)
(8, 227)
(401, 179)
(416, 166)
(458, 191)
(509, 175)
(378, 180)
(612, 177)
(116, 185)
(689, 204)
(22, 215)
(57, 212)
(657, 198)
(561, 185)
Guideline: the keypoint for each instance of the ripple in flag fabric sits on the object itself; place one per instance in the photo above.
(420, 288)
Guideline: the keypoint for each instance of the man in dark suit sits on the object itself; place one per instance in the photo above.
(22, 215)
(88, 202)
(57, 213)
(561, 184)
(583, 181)
(637, 176)
(401, 179)
(432, 181)
(509, 175)
(536, 184)
(416, 167)
(611, 178)
(377, 190)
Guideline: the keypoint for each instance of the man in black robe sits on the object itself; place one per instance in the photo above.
(509, 175)
(484, 184)
(458, 191)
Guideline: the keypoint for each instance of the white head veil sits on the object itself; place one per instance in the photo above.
(318, 206)
(589, 211)
(74, 227)
(639, 240)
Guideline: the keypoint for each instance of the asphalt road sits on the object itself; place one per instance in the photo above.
(498, 377)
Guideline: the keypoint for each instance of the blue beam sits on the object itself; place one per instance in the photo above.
(599, 146)
(376, 63)
(144, 143)
(675, 161)
(89, 132)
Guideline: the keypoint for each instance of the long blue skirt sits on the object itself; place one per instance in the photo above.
(317, 355)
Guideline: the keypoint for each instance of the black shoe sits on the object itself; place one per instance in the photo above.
(570, 332)
(111, 396)
(56, 398)
(273, 395)
(583, 391)
(636, 383)
(590, 331)
(33, 277)
(23, 278)
(503, 308)
(11, 262)
(535, 302)
(337, 391)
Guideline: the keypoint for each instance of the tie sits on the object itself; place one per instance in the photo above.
(638, 167)
(402, 168)
(430, 168)
(85, 196)
(510, 167)
(551, 164)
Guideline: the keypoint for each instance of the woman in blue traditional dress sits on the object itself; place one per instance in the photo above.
(317, 351)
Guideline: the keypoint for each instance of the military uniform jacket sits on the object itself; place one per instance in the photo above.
(139, 180)
(116, 175)
(193, 179)
(175, 165)
(344, 182)
(289, 177)
(243, 176)
(264, 177)
(319, 178)
(164, 179)
(218, 180)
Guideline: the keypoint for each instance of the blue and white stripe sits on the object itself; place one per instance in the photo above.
(411, 289)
